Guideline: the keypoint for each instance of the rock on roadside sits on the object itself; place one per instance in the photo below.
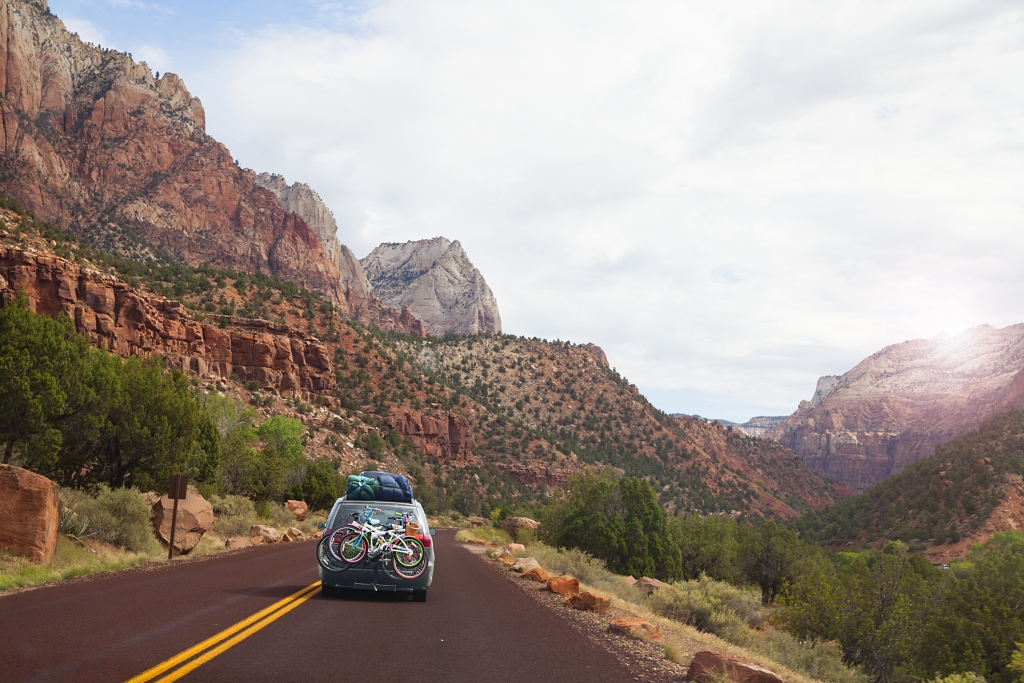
(195, 517)
(237, 543)
(512, 525)
(588, 602)
(298, 508)
(707, 666)
(635, 627)
(536, 574)
(29, 513)
(266, 534)
(564, 586)
(525, 564)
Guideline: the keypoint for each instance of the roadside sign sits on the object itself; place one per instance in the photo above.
(179, 486)
(177, 490)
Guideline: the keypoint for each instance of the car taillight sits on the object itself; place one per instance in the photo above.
(424, 539)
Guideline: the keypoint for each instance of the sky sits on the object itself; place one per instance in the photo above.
(731, 199)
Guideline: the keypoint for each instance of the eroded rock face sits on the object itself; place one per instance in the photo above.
(301, 199)
(29, 513)
(897, 405)
(195, 517)
(442, 435)
(125, 321)
(437, 282)
(94, 142)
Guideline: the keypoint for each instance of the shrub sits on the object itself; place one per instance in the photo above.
(235, 515)
(117, 516)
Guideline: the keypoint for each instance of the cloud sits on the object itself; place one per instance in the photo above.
(155, 57)
(86, 30)
(731, 200)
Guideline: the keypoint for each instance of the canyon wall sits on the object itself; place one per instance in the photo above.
(96, 143)
(897, 405)
(128, 322)
(437, 282)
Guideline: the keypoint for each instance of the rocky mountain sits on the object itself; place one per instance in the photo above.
(897, 405)
(560, 407)
(755, 426)
(469, 418)
(301, 199)
(437, 282)
(95, 142)
(968, 490)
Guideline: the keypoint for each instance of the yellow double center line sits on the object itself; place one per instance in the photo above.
(250, 625)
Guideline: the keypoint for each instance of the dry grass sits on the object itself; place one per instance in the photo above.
(70, 559)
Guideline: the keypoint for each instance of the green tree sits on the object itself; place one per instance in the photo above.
(321, 486)
(42, 368)
(279, 463)
(982, 619)
(142, 425)
(708, 546)
(874, 605)
(619, 521)
(235, 423)
(768, 556)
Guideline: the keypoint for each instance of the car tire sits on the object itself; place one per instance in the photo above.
(419, 596)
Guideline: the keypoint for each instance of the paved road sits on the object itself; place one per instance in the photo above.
(475, 626)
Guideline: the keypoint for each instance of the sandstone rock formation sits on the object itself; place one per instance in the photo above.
(897, 405)
(92, 141)
(299, 198)
(237, 543)
(709, 666)
(536, 574)
(436, 281)
(29, 513)
(525, 564)
(123, 320)
(598, 352)
(442, 435)
(195, 517)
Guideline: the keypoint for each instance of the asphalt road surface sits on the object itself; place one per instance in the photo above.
(475, 626)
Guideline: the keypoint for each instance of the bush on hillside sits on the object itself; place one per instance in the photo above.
(121, 517)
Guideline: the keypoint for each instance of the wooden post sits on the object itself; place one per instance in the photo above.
(178, 489)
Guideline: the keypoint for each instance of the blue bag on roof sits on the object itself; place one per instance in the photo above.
(394, 488)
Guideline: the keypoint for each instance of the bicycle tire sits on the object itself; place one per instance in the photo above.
(348, 546)
(325, 557)
(410, 569)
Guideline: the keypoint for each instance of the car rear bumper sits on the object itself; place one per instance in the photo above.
(372, 577)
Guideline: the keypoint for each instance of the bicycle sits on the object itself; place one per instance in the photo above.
(373, 541)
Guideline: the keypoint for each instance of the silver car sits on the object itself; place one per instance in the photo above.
(370, 574)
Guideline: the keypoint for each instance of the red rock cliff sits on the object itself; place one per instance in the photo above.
(897, 405)
(93, 141)
(444, 435)
(123, 320)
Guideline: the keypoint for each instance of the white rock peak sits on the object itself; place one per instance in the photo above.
(438, 283)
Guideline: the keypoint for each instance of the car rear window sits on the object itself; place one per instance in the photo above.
(390, 513)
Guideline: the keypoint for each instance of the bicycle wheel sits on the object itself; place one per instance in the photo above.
(410, 561)
(348, 546)
(325, 557)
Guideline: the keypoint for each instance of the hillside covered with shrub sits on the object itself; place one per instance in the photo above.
(936, 501)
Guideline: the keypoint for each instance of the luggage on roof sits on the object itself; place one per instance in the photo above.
(362, 488)
(393, 488)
